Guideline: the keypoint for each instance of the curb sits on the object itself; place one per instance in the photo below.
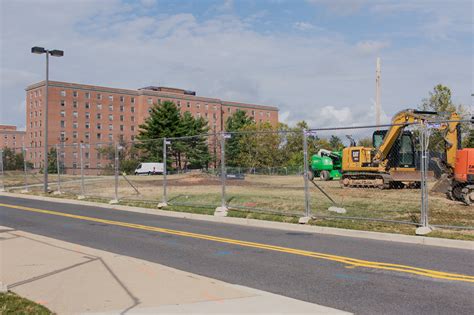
(379, 236)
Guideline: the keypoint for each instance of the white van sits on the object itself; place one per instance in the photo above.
(149, 168)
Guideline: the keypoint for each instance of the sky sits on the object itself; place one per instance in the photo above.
(313, 59)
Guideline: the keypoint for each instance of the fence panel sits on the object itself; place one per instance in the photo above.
(261, 176)
(192, 171)
(365, 189)
(140, 176)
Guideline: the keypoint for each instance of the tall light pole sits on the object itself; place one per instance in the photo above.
(55, 53)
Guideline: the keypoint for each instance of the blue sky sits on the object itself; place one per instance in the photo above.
(314, 59)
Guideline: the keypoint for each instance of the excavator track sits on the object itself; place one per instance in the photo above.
(374, 180)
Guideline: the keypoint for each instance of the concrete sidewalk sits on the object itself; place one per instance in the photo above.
(72, 279)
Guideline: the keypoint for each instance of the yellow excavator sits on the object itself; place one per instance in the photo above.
(390, 163)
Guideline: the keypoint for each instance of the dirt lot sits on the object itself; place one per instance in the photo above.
(264, 193)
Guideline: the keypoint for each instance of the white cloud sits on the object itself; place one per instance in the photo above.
(321, 78)
(304, 26)
(371, 46)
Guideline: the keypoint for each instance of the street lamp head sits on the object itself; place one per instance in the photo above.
(56, 53)
(38, 50)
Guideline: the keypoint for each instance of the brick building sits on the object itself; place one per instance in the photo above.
(92, 115)
(11, 137)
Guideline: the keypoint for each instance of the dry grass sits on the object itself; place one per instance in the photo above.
(278, 194)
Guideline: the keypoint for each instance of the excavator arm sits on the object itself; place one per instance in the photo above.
(399, 122)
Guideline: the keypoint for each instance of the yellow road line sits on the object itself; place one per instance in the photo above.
(348, 261)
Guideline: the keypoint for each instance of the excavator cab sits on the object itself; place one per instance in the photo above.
(402, 153)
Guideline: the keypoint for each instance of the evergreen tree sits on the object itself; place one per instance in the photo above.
(237, 122)
(335, 143)
(164, 121)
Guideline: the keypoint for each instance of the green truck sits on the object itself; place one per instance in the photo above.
(326, 165)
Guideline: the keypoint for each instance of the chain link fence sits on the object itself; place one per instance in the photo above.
(332, 173)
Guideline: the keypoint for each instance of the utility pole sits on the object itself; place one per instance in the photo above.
(377, 93)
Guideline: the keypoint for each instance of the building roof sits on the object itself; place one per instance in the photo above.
(151, 91)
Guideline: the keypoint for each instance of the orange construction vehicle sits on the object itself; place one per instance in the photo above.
(462, 182)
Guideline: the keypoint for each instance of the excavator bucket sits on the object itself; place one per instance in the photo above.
(442, 184)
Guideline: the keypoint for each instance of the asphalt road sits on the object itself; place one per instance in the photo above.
(325, 281)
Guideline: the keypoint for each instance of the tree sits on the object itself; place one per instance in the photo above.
(469, 140)
(335, 143)
(52, 162)
(11, 160)
(365, 142)
(236, 122)
(164, 121)
(260, 147)
(188, 150)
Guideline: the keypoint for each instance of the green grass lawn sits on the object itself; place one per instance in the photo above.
(10, 303)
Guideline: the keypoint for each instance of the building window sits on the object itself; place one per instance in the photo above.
(159, 101)
(63, 124)
(121, 117)
(206, 106)
(99, 136)
(268, 114)
(122, 108)
(87, 95)
(63, 93)
(198, 115)
(74, 104)
(87, 135)
(132, 137)
(74, 114)
(111, 117)
(122, 99)
(150, 101)
(74, 125)
(229, 110)
(132, 128)
(74, 134)
(132, 100)
(253, 113)
(111, 127)
(111, 107)
(198, 106)
(132, 118)
(99, 115)
(99, 126)
(87, 105)
(62, 136)
(149, 110)
(179, 104)
(74, 93)
(87, 125)
(121, 127)
(99, 96)
(188, 104)
(121, 137)
(63, 103)
(111, 98)
(88, 115)
(132, 109)
(215, 107)
(63, 113)
(111, 137)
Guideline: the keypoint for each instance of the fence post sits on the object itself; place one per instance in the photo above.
(424, 141)
(58, 169)
(81, 159)
(25, 170)
(116, 174)
(307, 208)
(2, 184)
(164, 202)
(222, 210)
